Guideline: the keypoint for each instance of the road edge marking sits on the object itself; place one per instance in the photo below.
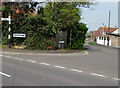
(76, 70)
(4, 74)
(57, 66)
(98, 75)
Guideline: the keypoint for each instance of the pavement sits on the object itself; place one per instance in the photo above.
(96, 66)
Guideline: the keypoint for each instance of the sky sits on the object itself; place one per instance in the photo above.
(100, 14)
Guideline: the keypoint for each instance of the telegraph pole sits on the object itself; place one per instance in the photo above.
(104, 32)
(109, 29)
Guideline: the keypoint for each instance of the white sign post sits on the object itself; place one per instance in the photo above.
(61, 44)
(9, 29)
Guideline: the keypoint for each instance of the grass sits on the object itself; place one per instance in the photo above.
(91, 43)
(3, 46)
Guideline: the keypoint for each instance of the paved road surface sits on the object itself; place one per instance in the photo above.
(96, 67)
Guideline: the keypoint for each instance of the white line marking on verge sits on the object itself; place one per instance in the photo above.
(59, 66)
(76, 70)
(97, 75)
(5, 74)
(44, 63)
(116, 79)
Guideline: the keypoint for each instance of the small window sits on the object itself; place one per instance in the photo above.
(99, 38)
(104, 38)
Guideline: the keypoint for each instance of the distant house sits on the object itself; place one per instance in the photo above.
(106, 36)
(115, 37)
(95, 35)
(89, 36)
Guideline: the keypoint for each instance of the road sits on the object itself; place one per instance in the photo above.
(97, 66)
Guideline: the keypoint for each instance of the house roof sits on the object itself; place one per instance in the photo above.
(96, 33)
(107, 29)
(103, 30)
(116, 32)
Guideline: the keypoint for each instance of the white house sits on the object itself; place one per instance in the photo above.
(103, 36)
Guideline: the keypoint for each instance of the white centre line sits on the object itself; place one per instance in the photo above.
(1, 55)
(76, 70)
(5, 74)
(20, 59)
(97, 75)
(16, 58)
(59, 66)
(108, 51)
(28, 60)
(8, 56)
(44, 63)
(33, 61)
(116, 79)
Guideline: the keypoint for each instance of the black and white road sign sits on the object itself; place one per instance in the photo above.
(19, 35)
(5, 19)
(61, 41)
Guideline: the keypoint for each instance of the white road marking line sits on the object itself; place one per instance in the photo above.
(16, 58)
(44, 63)
(97, 75)
(108, 51)
(5, 74)
(20, 59)
(1, 55)
(28, 60)
(8, 56)
(59, 66)
(116, 79)
(33, 61)
(76, 70)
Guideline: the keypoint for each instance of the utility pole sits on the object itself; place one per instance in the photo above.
(109, 29)
(104, 33)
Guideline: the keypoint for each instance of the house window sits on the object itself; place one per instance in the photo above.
(104, 38)
(99, 38)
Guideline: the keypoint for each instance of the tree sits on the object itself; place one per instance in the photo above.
(78, 36)
(40, 32)
(42, 29)
(63, 14)
(66, 17)
(18, 11)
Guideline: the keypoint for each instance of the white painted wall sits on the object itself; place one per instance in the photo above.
(102, 42)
